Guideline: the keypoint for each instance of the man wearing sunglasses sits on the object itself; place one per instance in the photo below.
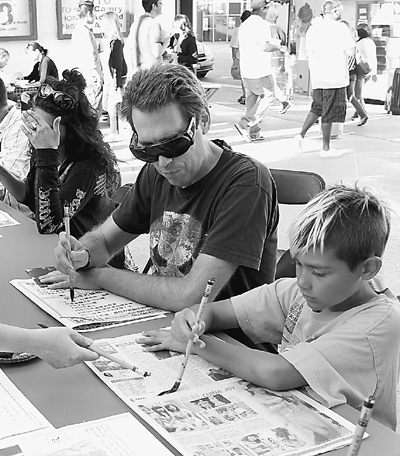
(210, 212)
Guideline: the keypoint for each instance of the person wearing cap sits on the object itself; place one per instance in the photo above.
(328, 45)
(210, 212)
(147, 41)
(256, 45)
(86, 54)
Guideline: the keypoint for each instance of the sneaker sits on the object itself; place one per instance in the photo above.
(299, 142)
(257, 137)
(331, 153)
(241, 100)
(354, 116)
(285, 106)
(363, 121)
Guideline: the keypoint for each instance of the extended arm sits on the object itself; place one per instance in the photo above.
(14, 185)
(59, 347)
(158, 45)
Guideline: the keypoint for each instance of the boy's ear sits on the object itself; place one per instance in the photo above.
(371, 266)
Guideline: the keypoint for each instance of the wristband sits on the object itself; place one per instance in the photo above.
(87, 265)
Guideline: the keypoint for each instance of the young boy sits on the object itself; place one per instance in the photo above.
(338, 335)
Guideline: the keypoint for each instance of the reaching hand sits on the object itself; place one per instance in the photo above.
(40, 134)
(61, 347)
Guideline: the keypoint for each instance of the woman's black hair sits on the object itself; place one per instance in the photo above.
(35, 46)
(362, 33)
(83, 138)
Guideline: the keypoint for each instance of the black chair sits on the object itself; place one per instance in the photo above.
(294, 187)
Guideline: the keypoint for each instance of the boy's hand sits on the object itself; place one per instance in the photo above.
(160, 339)
(184, 327)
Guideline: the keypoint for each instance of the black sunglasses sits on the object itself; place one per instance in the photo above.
(61, 99)
(169, 148)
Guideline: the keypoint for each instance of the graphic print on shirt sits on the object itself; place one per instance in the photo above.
(290, 324)
(175, 243)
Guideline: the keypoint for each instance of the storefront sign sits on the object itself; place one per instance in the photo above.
(18, 20)
(67, 16)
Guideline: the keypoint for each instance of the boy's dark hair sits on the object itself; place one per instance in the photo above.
(350, 221)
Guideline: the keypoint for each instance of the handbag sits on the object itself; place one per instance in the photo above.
(363, 68)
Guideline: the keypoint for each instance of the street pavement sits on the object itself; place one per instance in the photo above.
(370, 153)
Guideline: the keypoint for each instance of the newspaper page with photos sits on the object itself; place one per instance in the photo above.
(119, 435)
(214, 413)
(17, 415)
(90, 310)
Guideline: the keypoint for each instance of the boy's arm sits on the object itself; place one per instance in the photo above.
(256, 366)
(262, 368)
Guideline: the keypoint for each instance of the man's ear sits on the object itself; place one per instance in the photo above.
(370, 267)
(205, 121)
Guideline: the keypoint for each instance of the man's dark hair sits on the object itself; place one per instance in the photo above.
(148, 4)
(154, 88)
(3, 94)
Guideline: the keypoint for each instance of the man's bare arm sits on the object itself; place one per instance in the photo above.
(170, 293)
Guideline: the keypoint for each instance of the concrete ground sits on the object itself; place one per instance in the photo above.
(371, 154)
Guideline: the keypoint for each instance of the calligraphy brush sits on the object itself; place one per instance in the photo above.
(189, 345)
(68, 233)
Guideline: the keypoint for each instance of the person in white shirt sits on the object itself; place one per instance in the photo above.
(365, 52)
(86, 54)
(256, 45)
(14, 148)
(147, 41)
(328, 45)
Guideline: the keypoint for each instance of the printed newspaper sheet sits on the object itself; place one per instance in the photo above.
(17, 415)
(91, 309)
(120, 435)
(214, 413)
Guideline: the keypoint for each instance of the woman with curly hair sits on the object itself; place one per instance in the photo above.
(70, 163)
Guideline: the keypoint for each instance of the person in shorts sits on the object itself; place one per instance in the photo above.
(328, 45)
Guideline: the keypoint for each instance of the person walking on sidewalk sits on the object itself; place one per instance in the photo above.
(360, 111)
(280, 62)
(365, 52)
(146, 42)
(86, 54)
(256, 45)
(234, 44)
(328, 44)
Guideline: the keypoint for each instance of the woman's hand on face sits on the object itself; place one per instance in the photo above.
(39, 133)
